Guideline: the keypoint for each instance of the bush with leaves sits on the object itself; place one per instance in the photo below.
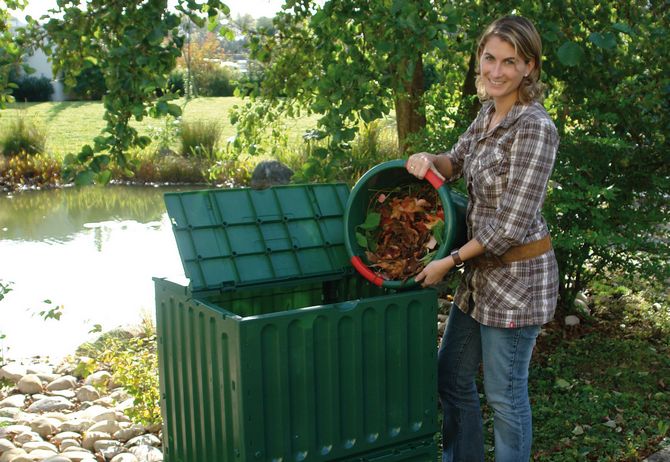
(22, 137)
(31, 88)
(136, 45)
(199, 138)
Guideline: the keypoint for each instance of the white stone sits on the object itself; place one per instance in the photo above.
(59, 437)
(119, 395)
(106, 401)
(34, 445)
(148, 439)
(39, 369)
(78, 456)
(12, 454)
(48, 378)
(41, 454)
(14, 401)
(99, 378)
(27, 437)
(125, 405)
(147, 453)
(66, 382)
(108, 414)
(68, 394)
(13, 372)
(91, 437)
(78, 425)
(13, 430)
(57, 458)
(130, 432)
(30, 384)
(571, 320)
(38, 396)
(582, 306)
(125, 457)
(45, 426)
(97, 413)
(87, 393)
(6, 445)
(10, 412)
(69, 443)
(51, 403)
(80, 449)
(104, 445)
(106, 426)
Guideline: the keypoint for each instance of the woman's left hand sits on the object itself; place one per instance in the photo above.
(434, 271)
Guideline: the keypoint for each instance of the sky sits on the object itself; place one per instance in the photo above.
(255, 8)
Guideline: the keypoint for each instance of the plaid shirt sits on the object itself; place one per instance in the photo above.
(506, 171)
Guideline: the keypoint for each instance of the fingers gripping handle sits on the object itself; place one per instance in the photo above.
(433, 178)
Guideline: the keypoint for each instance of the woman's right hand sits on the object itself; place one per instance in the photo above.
(418, 164)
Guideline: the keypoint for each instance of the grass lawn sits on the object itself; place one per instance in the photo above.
(71, 124)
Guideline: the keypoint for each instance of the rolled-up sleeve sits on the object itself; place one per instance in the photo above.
(531, 160)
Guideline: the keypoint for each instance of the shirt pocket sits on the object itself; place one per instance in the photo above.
(491, 177)
(508, 287)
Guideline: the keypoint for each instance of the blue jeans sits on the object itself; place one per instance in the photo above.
(505, 354)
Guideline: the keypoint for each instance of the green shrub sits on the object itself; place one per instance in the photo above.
(199, 138)
(22, 136)
(33, 89)
(35, 170)
(216, 81)
(90, 84)
(176, 82)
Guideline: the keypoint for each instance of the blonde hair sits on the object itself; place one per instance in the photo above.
(522, 35)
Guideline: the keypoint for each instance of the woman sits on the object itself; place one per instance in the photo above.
(510, 285)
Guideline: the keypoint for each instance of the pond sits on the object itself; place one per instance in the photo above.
(88, 254)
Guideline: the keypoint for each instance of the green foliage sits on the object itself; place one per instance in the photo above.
(50, 312)
(134, 365)
(349, 62)
(22, 137)
(136, 44)
(217, 81)
(607, 211)
(10, 51)
(597, 397)
(199, 138)
(89, 84)
(5, 288)
(33, 89)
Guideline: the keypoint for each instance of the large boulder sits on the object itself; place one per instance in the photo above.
(270, 173)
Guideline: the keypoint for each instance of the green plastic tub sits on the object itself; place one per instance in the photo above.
(389, 175)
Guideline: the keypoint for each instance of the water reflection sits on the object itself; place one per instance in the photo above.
(92, 250)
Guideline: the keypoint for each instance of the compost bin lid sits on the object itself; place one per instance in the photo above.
(229, 238)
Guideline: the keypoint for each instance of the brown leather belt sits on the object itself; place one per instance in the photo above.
(517, 253)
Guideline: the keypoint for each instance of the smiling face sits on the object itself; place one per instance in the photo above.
(502, 71)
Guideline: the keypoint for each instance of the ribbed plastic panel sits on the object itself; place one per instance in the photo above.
(341, 381)
(230, 238)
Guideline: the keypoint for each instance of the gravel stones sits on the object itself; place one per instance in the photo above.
(51, 416)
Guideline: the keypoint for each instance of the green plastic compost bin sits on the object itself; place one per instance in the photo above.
(277, 350)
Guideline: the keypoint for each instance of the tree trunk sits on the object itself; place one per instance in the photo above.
(468, 108)
(410, 117)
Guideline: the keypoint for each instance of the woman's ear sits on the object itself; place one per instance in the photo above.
(530, 65)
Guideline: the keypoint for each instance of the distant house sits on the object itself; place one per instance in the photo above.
(42, 66)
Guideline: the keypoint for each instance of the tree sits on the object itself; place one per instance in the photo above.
(10, 51)
(348, 61)
(136, 44)
(608, 91)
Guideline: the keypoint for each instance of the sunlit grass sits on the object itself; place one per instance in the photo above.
(72, 124)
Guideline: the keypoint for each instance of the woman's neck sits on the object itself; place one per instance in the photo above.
(503, 106)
